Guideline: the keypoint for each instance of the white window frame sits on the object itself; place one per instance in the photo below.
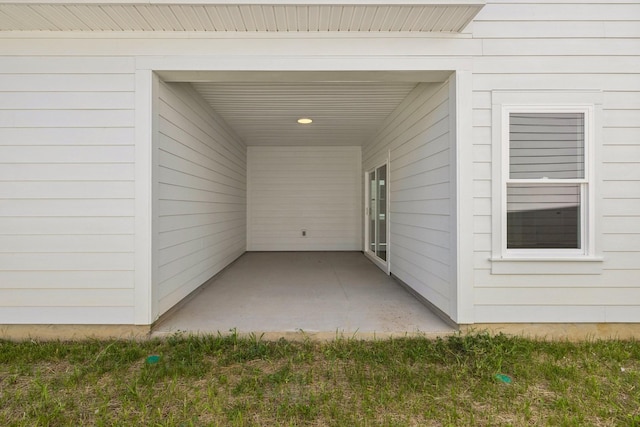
(587, 259)
(586, 198)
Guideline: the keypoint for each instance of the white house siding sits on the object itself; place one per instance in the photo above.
(52, 271)
(317, 189)
(416, 137)
(202, 170)
(66, 190)
(540, 45)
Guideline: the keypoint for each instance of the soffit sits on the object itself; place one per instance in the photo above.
(266, 113)
(239, 16)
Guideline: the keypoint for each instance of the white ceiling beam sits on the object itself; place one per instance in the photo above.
(305, 76)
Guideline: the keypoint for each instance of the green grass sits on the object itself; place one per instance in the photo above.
(235, 381)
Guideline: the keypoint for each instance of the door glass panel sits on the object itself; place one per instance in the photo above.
(378, 212)
(381, 252)
(372, 211)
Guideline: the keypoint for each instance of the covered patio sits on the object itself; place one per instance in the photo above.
(319, 294)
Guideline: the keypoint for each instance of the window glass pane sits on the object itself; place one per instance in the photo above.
(546, 145)
(543, 216)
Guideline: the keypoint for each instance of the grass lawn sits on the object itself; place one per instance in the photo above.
(233, 381)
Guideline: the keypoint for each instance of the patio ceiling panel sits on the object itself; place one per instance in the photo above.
(266, 113)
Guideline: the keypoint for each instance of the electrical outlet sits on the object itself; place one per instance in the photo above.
(303, 233)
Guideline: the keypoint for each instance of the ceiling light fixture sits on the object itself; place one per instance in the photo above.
(305, 121)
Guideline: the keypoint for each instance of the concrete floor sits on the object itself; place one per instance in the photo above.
(317, 293)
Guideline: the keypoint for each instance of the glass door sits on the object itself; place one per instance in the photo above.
(377, 213)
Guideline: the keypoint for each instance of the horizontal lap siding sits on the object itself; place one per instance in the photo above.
(66, 190)
(317, 189)
(417, 136)
(563, 46)
(67, 166)
(201, 194)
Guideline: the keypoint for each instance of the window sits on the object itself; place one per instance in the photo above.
(546, 184)
(545, 150)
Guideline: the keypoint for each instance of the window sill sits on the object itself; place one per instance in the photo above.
(542, 265)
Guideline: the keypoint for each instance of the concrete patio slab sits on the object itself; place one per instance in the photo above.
(320, 294)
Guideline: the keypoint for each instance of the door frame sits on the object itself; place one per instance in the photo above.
(384, 265)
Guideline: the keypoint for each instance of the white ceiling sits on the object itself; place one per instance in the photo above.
(266, 113)
(238, 15)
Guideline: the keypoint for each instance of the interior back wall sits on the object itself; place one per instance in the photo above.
(316, 189)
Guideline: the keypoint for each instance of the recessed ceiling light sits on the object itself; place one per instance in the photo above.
(305, 121)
